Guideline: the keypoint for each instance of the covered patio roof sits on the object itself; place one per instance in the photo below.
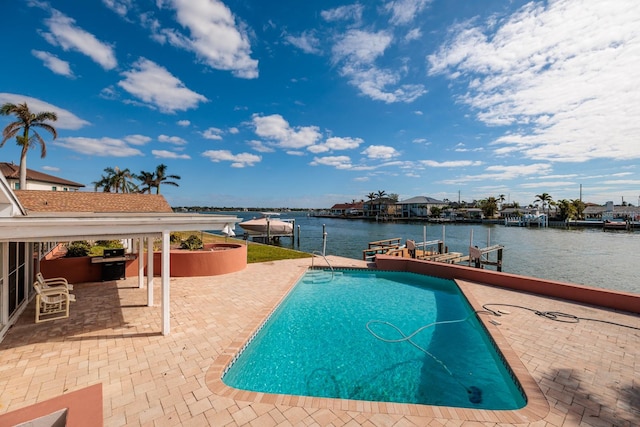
(64, 226)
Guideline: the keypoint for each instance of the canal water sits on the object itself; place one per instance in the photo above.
(587, 256)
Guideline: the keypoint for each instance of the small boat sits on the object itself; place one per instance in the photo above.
(616, 224)
(267, 225)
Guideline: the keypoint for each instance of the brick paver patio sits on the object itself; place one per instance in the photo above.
(588, 372)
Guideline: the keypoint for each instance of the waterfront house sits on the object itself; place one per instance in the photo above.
(347, 209)
(609, 211)
(419, 206)
(382, 207)
(36, 180)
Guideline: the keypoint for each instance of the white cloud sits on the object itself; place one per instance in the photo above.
(176, 140)
(137, 139)
(361, 47)
(404, 11)
(450, 164)
(413, 34)
(336, 143)
(51, 168)
(164, 154)
(276, 129)
(380, 152)
(213, 35)
(234, 130)
(559, 71)
(66, 119)
(260, 147)
(121, 7)
(547, 184)
(102, 147)
(213, 133)
(237, 160)
(65, 34)
(156, 87)
(503, 173)
(338, 162)
(344, 13)
(183, 123)
(307, 42)
(53, 63)
(356, 52)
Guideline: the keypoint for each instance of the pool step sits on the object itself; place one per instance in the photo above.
(320, 276)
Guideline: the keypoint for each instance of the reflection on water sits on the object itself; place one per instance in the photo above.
(586, 256)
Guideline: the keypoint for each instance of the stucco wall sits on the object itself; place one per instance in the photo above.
(215, 259)
(568, 291)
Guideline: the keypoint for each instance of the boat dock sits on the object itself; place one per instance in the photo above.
(436, 251)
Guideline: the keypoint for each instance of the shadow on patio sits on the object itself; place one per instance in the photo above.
(97, 314)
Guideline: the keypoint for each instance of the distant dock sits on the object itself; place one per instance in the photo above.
(435, 251)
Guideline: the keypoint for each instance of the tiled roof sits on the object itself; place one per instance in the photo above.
(11, 171)
(421, 200)
(80, 201)
(347, 205)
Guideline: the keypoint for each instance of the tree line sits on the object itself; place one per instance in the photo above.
(116, 180)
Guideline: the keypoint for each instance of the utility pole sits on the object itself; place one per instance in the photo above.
(580, 192)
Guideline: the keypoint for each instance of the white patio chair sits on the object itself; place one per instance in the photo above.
(52, 303)
(54, 281)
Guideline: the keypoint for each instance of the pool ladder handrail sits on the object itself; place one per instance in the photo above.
(326, 260)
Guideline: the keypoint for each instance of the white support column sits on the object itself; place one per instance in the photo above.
(149, 272)
(4, 281)
(140, 244)
(166, 272)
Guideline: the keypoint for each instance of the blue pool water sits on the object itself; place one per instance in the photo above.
(348, 336)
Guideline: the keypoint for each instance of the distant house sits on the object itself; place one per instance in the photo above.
(36, 180)
(419, 206)
(609, 211)
(347, 209)
(384, 207)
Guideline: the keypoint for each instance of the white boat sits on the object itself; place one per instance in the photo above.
(275, 227)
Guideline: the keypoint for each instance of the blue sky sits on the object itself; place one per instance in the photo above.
(312, 103)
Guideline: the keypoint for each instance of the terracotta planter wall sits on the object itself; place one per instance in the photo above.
(80, 269)
(214, 259)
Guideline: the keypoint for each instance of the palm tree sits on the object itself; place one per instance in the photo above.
(118, 180)
(379, 195)
(489, 207)
(162, 178)
(546, 200)
(26, 121)
(147, 180)
(104, 182)
(371, 196)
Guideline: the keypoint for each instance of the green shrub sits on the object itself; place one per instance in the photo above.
(110, 244)
(175, 237)
(192, 243)
(78, 249)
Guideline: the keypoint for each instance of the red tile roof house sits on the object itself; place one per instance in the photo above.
(36, 180)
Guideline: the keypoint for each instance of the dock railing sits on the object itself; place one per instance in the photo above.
(386, 247)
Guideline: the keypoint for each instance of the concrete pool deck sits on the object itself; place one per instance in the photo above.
(587, 372)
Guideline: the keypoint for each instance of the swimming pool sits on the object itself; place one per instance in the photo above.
(377, 336)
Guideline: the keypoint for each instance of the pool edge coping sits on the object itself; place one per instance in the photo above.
(536, 408)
